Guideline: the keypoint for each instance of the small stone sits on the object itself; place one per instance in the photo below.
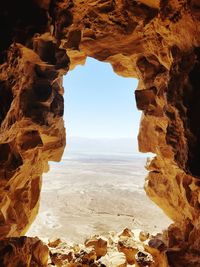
(158, 244)
(99, 245)
(144, 258)
(60, 259)
(127, 233)
(86, 256)
(53, 243)
(143, 236)
(114, 259)
(129, 248)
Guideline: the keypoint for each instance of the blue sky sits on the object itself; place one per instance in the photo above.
(99, 103)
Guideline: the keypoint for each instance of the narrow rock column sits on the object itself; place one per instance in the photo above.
(32, 130)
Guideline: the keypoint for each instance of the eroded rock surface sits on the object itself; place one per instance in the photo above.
(155, 41)
(23, 251)
(32, 133)
(112, 250)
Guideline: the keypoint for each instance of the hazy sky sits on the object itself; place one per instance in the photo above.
(99, 103)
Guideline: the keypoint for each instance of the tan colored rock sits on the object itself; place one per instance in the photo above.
(126, 251)
(143, 259)
(61, 259)
(114, 259)
(157, 42)
(53, 243)
(143, 236)
(23, 251)
(31, 134)
(85, 257)
(99, 245)
(159, 257)
(126, 233)
(61, 253)
(130, 248)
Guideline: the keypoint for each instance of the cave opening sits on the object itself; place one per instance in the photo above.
(98, 185)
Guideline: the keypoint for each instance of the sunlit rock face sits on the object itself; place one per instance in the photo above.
(31, 110)
(155, 41)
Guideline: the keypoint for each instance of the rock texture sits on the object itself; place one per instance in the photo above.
(155, 41)
(112, 250)
(23, 251)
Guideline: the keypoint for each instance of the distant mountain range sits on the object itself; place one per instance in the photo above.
(101, 145)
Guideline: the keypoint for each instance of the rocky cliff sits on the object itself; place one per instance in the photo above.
(157, 42)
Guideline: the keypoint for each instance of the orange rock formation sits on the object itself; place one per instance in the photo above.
(155, 41)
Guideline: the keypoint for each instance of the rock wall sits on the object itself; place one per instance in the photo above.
(156, 41)
(32, 130)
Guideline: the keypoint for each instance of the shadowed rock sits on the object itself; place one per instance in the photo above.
(155, 41)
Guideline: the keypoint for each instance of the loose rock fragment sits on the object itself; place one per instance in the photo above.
(114, 259)
(143, 236)
(99, 245)
(144, 259)
(54, 243)
(86, 256)
(114, 249)
(126, 233)
(129, 249)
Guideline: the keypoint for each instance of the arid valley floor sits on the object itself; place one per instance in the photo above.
(91, 193)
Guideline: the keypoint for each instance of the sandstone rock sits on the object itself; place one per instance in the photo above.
(155, 41)
(129, 248)
(126, 233)
(157, 242)
(144, 259)
(54, 243)
(143, 236)
(85, 257)
(61, 259)
(99, 245)
(119, 250)
(23, 251)
(114, 259)
(30, 131)
(61, 253)
(159, 258)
